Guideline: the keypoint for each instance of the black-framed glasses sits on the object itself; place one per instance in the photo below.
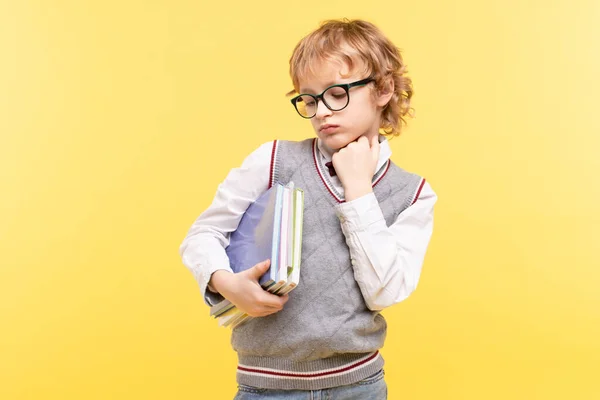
(335, 97)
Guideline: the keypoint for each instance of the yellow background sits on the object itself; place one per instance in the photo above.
(118, 119)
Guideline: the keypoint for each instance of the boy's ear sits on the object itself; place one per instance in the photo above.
(385, 94)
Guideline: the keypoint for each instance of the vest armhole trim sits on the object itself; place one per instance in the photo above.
(272, 166)
(418, 191)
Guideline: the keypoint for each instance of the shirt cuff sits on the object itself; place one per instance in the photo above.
(203, 271)
(360, 213)
(211, 298)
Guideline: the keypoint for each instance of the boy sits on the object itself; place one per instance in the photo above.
(367, 225)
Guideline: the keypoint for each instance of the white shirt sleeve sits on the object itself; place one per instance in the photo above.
(203, 249)
(387, 261)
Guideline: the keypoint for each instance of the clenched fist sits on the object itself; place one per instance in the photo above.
(355, 165)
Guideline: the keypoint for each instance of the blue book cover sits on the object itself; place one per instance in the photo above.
(257, 235)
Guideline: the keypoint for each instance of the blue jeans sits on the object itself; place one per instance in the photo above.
(371, 388)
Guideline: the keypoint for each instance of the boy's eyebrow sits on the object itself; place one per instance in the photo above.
(308, 90)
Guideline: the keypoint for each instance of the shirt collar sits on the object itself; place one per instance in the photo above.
(385, 151)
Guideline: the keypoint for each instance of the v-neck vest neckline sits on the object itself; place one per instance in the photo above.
(322, 171)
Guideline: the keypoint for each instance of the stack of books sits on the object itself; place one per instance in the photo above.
(271, 228)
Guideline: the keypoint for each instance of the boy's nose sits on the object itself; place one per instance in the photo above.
(322, 110)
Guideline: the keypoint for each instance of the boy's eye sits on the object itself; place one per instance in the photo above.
(337, 93)
(306, 101)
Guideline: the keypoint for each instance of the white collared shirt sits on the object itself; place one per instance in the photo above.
(387, 261)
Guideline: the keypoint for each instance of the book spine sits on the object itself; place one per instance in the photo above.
(276, 233)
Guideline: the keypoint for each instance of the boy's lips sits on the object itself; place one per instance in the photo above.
(328, 128)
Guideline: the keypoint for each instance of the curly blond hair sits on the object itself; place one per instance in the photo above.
(357, 42)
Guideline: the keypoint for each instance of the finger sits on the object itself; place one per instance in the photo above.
(375, 141)
(266, 309)
(260, 313)
(271, 301)
(375, 148)
(273, 308)
(274, 304)
(260, 310)
(264, 313)
(360, 142)
(259, 269)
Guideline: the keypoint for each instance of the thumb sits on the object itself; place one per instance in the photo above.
(259, 269)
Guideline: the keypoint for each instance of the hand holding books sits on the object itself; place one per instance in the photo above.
(245, 293)
(270, 229)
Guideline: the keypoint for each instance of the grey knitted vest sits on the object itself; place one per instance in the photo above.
(325, 336)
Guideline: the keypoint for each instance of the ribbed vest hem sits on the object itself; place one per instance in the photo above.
(276, 373)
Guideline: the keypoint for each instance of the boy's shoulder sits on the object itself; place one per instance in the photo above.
(273, 145)
(399, 174)
(286, 148)
(295, 142)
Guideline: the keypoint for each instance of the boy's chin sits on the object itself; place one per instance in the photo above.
(335, 142)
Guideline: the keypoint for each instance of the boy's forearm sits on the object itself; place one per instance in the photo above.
(217, 279)
(393, 273)
(203, 255)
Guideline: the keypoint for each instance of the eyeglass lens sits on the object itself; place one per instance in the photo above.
(335, 98)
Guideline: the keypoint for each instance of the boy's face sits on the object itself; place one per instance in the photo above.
(362, 115)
